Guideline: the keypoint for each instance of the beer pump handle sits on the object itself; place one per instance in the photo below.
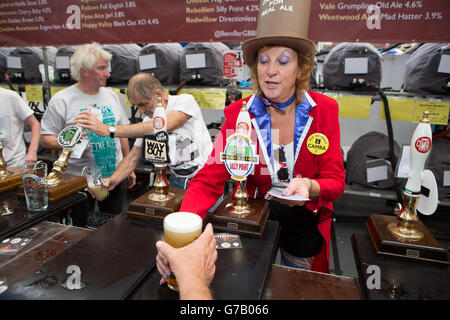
(419, 151)
(243, 123)
(67, 138)
(3, 164)
(159, 117)
(160, 123)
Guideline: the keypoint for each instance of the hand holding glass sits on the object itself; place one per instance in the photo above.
(95, 185)
(180, 229)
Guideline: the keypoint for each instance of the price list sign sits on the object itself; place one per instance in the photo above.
(380, 21)
(69, 22)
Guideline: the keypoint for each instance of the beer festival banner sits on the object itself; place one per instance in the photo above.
(71, 22)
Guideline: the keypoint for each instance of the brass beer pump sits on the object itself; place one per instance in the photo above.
(11, 177)
(5, 208)
(405, 228)
(161, 199)
(237, 213)
(61, 184)
(59, 167)
(3, 171)
(240, 207)
(160, 191)
(404, 235)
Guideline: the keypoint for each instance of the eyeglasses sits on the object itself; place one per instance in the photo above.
(280, 156)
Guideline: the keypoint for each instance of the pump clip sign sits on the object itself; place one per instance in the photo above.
(239, 156)
(156, 148)
(232, 65)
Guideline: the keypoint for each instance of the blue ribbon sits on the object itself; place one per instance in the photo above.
(279, 106)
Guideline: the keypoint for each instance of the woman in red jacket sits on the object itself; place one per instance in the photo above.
(298, 141)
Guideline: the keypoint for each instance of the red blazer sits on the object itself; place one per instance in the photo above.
(326, 169)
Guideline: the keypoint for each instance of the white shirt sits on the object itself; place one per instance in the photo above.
(289, 153)
(102, 152)
(15, 109)
(189, 145)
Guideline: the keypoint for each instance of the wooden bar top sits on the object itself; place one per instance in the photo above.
(295, 284)
(48, 239)
(111, 262)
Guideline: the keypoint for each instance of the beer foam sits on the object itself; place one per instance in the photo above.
(182, 222)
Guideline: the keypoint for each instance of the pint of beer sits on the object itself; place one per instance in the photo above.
(95, 184)
(101, 193)
(180, 229)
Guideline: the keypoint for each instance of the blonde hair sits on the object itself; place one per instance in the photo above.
(305, 64)
(84, 58)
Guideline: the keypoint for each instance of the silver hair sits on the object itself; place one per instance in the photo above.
(84, 58)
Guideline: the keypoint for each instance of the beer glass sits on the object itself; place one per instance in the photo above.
(34, 178)
(95, 185)
(180, 229)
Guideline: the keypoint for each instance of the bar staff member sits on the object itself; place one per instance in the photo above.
(17, 113)
(185, 125)
(297, 136)
(89, 66)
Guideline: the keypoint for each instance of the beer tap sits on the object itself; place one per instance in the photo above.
(240, 206)
(413, 198)
(67, 138)
(3, 171)
(160, 190)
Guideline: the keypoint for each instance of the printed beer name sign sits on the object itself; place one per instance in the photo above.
(156, 148)
(69, 136)
(239, 156)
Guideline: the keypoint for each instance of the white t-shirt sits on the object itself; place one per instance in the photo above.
(15, 109)
(192, 142)
(289, 164)
(64, 107)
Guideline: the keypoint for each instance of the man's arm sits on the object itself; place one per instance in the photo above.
(193, 265)
(50, 141)
(125, 168)
(87, 120)
(31, 156)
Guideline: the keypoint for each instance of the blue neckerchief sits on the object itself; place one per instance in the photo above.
(279, 106)
(263, 120)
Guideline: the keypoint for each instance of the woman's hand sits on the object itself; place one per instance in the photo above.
(300, 186)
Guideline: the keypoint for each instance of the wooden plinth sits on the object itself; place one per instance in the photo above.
(69, 185)
(426, 250)
(13, 180)
(251, 225)
(145, 208)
